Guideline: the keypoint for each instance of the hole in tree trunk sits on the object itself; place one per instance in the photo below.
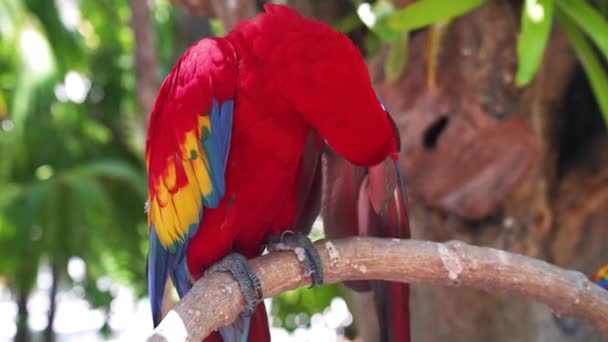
(581, 122)
(431, 136)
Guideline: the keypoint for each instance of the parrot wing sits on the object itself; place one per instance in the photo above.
(186, 152)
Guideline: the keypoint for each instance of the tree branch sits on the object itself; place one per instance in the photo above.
(216, 300)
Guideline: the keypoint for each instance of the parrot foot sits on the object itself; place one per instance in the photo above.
(248, 281)
(305, 251)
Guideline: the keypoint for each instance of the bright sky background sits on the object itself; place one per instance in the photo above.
(130, 319)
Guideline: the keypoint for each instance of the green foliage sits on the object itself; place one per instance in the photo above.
(391, 26)
(536, 20)
(375, 16)
(72, 181)
(423, 13)
(591, 63)
(396, 58)
(217, 27)
(574, 16)
(589, 20)
(348, 23)
(288, 305)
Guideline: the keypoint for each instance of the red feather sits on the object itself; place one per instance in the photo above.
(294, 74)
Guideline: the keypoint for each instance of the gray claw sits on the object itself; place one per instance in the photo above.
(305, 250)
(248, 281)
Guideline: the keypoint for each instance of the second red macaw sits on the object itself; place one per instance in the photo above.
(225, 144)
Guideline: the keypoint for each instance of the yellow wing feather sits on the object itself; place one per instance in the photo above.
(172, 209)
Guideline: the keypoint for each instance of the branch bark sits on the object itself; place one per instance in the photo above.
(216, 300)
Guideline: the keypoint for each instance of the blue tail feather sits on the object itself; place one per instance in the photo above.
(158, 265)
(160, 261)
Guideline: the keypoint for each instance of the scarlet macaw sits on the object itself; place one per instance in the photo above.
(601, 277)
(225, 144)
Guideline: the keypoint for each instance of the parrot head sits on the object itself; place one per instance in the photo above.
(323, 76)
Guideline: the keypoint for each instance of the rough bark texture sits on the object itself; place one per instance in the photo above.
(452, 264)
(481, 160)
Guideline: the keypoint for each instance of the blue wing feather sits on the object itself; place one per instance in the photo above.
(216, 147)
(162, 263)
(194, 76)
(158, 259)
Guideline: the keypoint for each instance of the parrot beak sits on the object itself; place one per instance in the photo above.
(401, 202)
(400, 191)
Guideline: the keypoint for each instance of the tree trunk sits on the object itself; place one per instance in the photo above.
(146, 65)
(23, 333)
(494, 165)
(49, 333)
(24, 281)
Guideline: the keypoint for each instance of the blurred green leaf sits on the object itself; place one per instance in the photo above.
(596, 74)
(66, 47)
(96, 297)
(426, 12)
(536, 22)
(217, 27)
(603, 6)
(9, 192)
(396, 60)
(348, 23)
(589, 20)
(374, 17)
(372, 44)
(111, 169)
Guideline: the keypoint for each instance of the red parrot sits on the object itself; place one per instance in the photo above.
(225, 149)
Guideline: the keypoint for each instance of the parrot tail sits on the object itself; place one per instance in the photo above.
(244, 329)
(392, 305)
(370, 202)
(384, 213)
